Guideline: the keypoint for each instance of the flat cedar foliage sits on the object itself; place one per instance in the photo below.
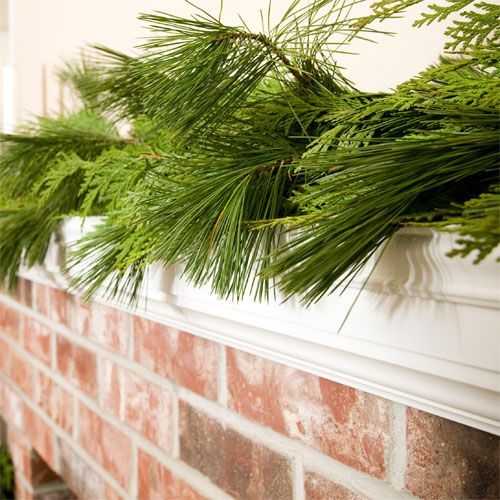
(251, 160)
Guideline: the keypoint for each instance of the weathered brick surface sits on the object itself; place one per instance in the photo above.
(108, 445)
(12, 408)
(157, 482)
(188, 360)
(4, 357)
(104, 325)
(317, 487)
(10, 321)
(144, 406)
(342, 422)
(37, 339)
(40, 435)
(445, 460)
(449, 460)
(52, 302)
(78, 365)
(241, 467)
(80, 478)
(24, 293)
(54, 400)
(22, 373)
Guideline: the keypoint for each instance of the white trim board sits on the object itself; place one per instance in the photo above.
(415, 326)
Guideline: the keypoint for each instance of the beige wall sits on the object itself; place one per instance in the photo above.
(43, 33)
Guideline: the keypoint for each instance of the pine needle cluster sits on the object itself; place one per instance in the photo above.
(251, 160)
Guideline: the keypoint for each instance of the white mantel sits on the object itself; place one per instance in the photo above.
(414, 326)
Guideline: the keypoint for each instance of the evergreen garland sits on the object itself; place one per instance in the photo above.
(252, 160)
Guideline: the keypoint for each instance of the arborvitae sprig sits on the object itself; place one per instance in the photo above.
(478, 225)
(477, 25)
(111, 260)
(49, 171)
(28, 154)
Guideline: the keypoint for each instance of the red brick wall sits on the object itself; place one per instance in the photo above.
(121, 407)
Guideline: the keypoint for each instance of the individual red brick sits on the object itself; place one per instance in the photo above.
(4, 357)
(184, 358)
(157, 482)
(241, 467)
(23, 292)
(12, 408)
(144, 406)
(113, 389)
(55, 401)
(41, 299)
(40, 435)
(148, 409)
(78, 475)
(344, 423)
(22, 373)
(78, 365)
(450, 460)
(317, 487)
(107, 326)
(37, 339)
(10, 321)
(52, 302)
(79, 316)
(108, 445)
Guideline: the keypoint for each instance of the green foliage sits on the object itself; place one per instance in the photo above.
(116, 84)
(27, 155)
(47, 170)
(251, 160)
(204, 223)
(476, 27)
(235, 62)
(114, 257)
(6, 475)
(478, 224)
(363, 198)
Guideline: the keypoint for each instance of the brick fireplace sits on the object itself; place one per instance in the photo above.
(120, 406)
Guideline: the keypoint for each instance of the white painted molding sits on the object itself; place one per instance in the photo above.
(415, 326)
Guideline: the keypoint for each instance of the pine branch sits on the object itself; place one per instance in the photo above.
(26, 233)
(374, 187)
(115, 83)
(236, 62)
(203, 223)
(275, 51)
(44, 173)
